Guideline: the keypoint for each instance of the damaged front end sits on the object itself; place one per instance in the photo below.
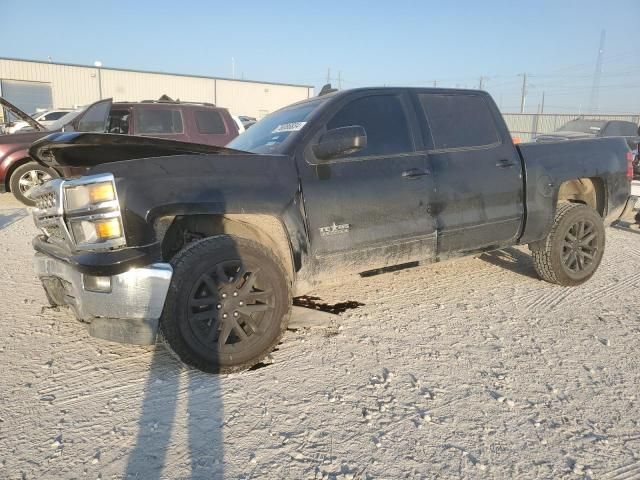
(82, 257)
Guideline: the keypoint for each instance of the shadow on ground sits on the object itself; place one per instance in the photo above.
(11, 216)
(202, 417)
(511, 259)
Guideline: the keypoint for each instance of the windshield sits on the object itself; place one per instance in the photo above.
(585, 126)
(270, 133)
(64, 120)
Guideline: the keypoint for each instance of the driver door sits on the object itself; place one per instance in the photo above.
(370, 209)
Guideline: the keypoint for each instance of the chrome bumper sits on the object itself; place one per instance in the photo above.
(128, 313)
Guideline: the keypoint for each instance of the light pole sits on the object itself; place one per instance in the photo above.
(98, 65)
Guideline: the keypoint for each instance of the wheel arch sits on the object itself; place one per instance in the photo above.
(175, 231)
(589, 191)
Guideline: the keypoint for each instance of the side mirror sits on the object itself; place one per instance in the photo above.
(340, 142)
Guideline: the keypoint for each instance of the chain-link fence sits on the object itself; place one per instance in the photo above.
(527, 126)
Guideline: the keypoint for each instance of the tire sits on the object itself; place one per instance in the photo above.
(232, 276)
(25, 177)
(573, 249)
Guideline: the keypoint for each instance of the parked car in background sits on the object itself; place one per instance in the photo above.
(210, 248)
(201, 123)
(247, 121)
(45, 119)
(587, 128)
(239, 123)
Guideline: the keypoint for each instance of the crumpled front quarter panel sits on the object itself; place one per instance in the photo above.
(199, 184)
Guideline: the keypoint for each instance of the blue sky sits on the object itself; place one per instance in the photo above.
(369, 43)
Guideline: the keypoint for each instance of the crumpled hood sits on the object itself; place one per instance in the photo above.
(85, 150)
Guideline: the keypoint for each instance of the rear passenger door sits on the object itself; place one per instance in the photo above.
(369, 209)
(479, 199)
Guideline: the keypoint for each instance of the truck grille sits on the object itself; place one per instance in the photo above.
(46, 201)
(48, 212)
(54, 231)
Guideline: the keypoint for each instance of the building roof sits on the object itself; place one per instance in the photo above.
(154, 72)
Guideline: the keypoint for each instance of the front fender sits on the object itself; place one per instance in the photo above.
(152, 188)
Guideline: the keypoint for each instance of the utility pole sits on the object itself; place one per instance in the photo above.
(523, 99)
(328, 74)
(435, 83)
(542, 107)
(595, 88)
(339, 80)
(481, 83)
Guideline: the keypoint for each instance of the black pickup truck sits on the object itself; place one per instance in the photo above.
(209, 244)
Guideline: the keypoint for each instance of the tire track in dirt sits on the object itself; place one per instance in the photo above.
(607, 289)
(630, 471)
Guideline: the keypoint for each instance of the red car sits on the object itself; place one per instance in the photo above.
(201, 123)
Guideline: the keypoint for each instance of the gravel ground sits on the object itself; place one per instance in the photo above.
(467, 369)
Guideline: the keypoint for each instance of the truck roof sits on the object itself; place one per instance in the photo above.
(341, 93)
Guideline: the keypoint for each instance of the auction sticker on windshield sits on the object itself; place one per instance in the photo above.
(289, 127)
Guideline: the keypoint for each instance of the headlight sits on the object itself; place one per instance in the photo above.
(92, 213)
(84, 196)
(96, 231)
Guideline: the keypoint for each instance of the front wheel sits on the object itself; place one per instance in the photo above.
(26, 177)
(228, 304)
(573, 249)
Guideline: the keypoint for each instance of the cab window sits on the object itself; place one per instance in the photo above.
(384, 121)
(459, 121)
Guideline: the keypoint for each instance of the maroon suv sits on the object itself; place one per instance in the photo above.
(202, 123)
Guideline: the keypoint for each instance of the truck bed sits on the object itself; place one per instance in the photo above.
(548, 165)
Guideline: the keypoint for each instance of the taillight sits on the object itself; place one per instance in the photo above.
(630, 165)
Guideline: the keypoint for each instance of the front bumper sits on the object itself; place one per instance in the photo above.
(129, 313)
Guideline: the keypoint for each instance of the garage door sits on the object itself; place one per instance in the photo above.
(27, 96)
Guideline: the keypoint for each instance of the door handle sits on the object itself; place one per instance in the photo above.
(415, 173)
(505, 163)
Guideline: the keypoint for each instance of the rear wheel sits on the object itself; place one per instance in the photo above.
(573, 249)
(228, 304)
(26, 177)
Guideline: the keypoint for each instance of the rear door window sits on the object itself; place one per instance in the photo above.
(459, 121)
(384, 121)
(210, 122)
(157, 121)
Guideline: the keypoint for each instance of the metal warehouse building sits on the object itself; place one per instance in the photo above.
(32, 85)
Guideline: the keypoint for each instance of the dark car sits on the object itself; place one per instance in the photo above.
(209, 248)
(201, 123)
(587, 128)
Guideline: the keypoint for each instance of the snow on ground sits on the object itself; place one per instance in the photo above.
(472, 368)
